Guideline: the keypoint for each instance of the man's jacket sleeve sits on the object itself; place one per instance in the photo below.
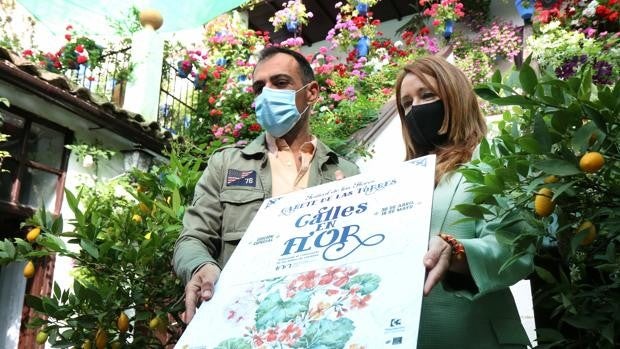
(200, 240)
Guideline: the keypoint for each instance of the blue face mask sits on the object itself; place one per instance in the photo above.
(276, 110)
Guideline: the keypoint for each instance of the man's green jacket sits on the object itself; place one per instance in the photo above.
(228, 195)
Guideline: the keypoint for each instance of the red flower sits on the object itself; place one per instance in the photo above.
(216, 74)
(27, 53)
(202, 76)
(613, 17)
(68, 37)
(244, 116)
(255, 127)
(91, 78)
(79, 48)
(359, 21)
(82, 59)
(211, 100)
(69, 27)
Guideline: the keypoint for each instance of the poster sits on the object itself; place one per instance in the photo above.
(333, 266)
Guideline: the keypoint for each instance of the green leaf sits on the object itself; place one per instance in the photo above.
(541, 133)
(273, 310)
(326, 333)
(497, 76)
(90, 248)
(367, 283)
(528, 79)
(529, 144)
(34, 302)
(585, 89)
(581, 138)
(595, 115)
(52, 242)
(472, 175)
(581, 321)
(484, 148)
(471, 210)
(235, 343)
(7, 248)
(486, 93)
(494, 183)
(557, 167)
(545, 275)
(514, 100)
(546, 335)
(608, 333)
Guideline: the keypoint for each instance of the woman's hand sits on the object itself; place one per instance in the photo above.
(437, 262)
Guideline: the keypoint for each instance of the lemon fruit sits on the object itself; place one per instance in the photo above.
(86, 344)
(590, 236)
(591, 162)
(41, 337)
(543, 205)
(33, 234)
(154, 323)
(137, 218)
(101, 339)
(551, 179)
(122, 322)
(29, 270)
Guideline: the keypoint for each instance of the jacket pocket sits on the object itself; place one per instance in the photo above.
(239, 207)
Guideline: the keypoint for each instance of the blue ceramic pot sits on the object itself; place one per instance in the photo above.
(362, 46)
(181, 72)
(447, 32)
(362, 8)
(221, 61)
(524, 11)
(291, 26)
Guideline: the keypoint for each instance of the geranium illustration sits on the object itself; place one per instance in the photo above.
(306, 310)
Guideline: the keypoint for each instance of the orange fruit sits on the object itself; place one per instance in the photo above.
(590, 236)
(543, 205)
(41, 337)
(551, 179)
(29, 270)
(33, 234)
(122, 322)
(591, 162)
(101, 339)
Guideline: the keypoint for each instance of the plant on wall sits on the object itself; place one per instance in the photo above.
(551, 180)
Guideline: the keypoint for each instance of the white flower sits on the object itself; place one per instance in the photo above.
(398, 43)
(88, 161)
(323, 109)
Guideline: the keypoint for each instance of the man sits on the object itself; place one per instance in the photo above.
(237, 180)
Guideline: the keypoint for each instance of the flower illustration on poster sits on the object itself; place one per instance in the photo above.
(307, 310)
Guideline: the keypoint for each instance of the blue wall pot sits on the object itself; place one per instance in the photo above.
(525, 12)
(362, 8)
(291, 26)
(362, 46)
(447, 32)
(221, 61)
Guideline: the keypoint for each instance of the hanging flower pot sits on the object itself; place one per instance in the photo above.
(220, 61)
(362, 46)
(447, 32)
(525, 9)
(291, 26)
(362, 8)
(184, 68)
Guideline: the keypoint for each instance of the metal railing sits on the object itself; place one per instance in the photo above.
(108, 78)
(176, 99)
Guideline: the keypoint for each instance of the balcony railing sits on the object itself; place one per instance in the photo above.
(109, 79)
(106, 80)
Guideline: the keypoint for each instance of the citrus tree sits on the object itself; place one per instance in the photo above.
(551, 179)
(124, 293)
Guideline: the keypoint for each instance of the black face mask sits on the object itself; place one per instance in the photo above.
(423, 123)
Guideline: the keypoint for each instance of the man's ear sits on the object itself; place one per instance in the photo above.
(312, 92)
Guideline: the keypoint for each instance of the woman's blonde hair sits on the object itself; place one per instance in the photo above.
(463, 122)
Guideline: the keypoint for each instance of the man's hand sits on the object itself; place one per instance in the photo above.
(437, 262)
(200, 288)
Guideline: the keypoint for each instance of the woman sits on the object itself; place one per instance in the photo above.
(468, 303)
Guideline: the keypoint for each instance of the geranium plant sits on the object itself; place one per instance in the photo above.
(500, 39)
(294, 13)
(442, 11)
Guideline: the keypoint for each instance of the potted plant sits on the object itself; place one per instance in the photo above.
(525, 10)
(443, 13)
(292, 16)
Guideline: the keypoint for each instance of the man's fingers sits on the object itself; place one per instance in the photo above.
(191, 299)
(338, 175)
(437, 262)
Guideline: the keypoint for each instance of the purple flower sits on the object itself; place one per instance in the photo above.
(602, 73)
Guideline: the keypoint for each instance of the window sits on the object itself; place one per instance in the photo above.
(35, 173)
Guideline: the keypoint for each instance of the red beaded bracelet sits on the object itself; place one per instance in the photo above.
(458, 250)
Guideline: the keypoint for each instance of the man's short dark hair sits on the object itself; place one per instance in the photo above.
(305, 70)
